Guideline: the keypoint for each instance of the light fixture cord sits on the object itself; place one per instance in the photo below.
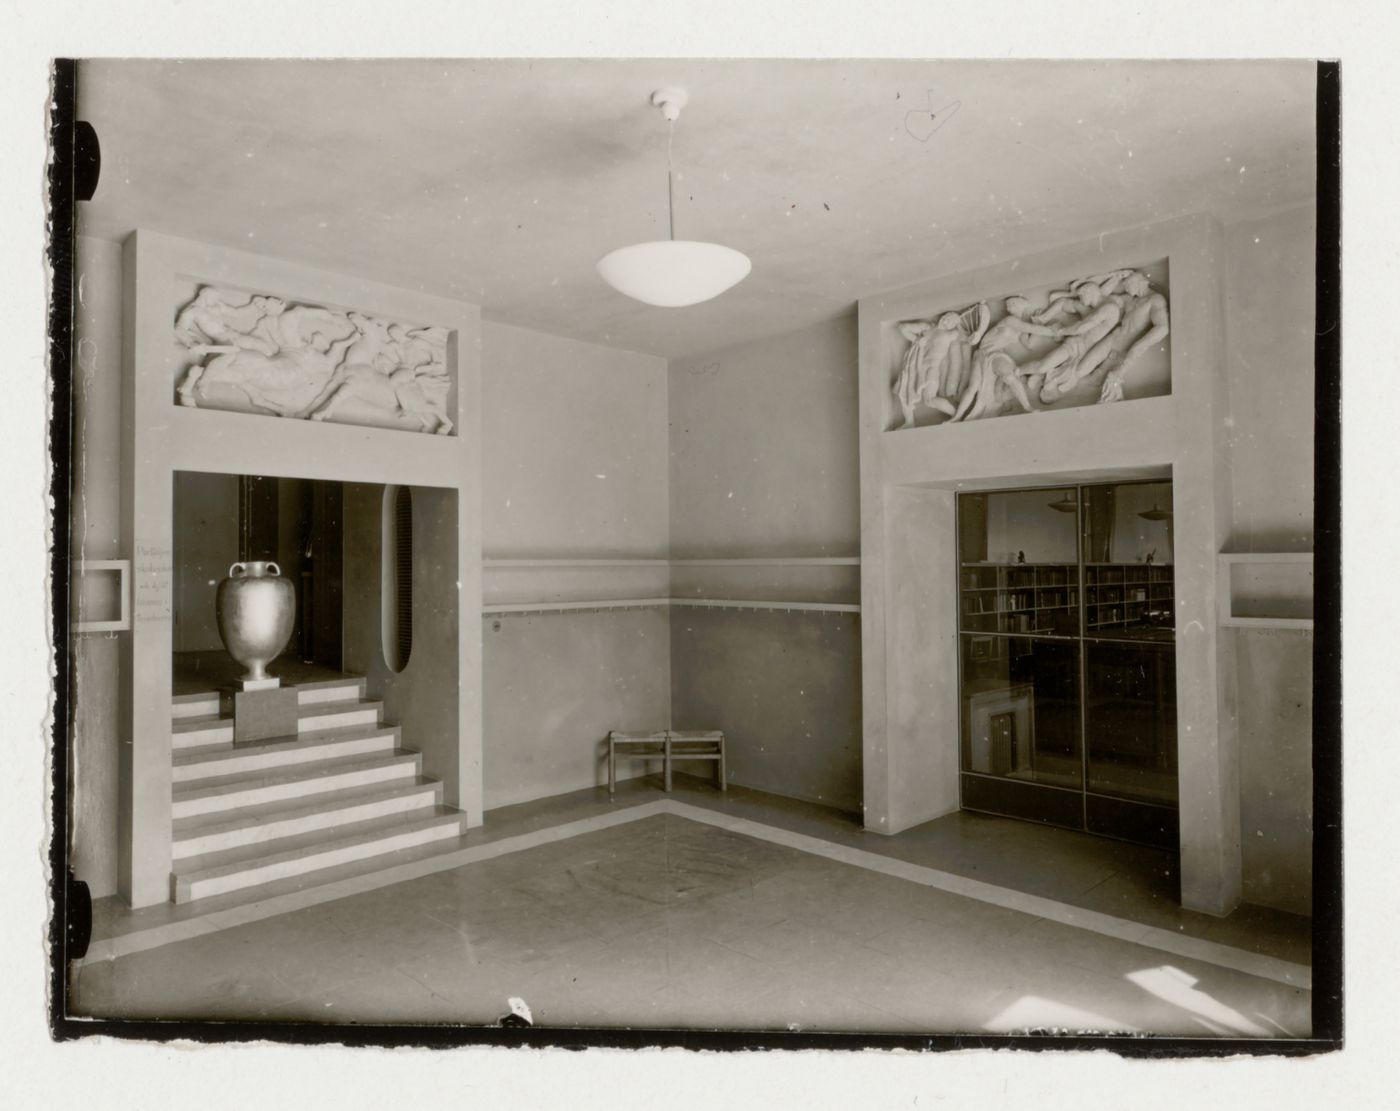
(670, 178)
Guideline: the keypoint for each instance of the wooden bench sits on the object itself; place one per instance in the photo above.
(697, 744)
(637, 746)
(668, 745)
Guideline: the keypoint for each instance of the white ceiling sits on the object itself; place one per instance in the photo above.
(503, 182)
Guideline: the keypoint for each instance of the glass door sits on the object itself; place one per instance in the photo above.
(1067, 656)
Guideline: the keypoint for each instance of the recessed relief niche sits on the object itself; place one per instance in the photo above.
(1096, 340)
(258, 353)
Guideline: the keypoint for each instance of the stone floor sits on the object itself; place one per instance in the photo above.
(670, 922)
(1096, 873)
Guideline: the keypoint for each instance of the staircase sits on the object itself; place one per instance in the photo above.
(342, 790)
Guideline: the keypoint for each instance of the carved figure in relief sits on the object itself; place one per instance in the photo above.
(1143, 308)
(936, 366)
(372, 375)
(307, 361)
(1059, 300)
(1087, 343)
(399, 393)
(221, 318)
(288, 383)
(916, 371)
(373, 347)
(957, 364)
(420, 348)
(301, 325)
(996, 377)
(1105, 323)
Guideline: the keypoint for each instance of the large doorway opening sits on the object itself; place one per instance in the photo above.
(296, 524)
(1067, 657)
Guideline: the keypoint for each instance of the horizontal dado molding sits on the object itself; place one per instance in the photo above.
(555, 581)
(763, 604)
(746, 561)
(772, 561)
(567, 607)
(755, 604)
(769, 580)
(491, 564)
(801, 582)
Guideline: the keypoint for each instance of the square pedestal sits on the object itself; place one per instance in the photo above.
(263, 712)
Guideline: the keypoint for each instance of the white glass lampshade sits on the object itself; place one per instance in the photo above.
(671, 273)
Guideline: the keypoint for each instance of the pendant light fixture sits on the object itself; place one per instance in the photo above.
(671, 273)
(1155, 514)
(1066, 504)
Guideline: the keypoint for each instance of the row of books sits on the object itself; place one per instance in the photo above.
(1019, 600)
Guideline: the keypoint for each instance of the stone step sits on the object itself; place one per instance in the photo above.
(235, 869)
(350, 689)
(299, 781)
(203, 732)
(282, 752)
(315, 717)
(205, 704)
(202, 705)
(200, 731)
(273, 822)
(355, 869)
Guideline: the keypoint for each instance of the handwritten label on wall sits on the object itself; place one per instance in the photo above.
(152, 584)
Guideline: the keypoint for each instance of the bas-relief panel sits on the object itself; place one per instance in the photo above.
(258, 353)
(1095, 340)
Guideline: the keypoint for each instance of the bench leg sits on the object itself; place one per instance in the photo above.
(723, 777)
(612, 767)
(666, 764)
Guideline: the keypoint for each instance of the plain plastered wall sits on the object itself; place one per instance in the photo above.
(556, 684)
(1270, 292)
(574, 467)
(783, 688)
(1270, 309)
(1275, 670)
(96, 659)
(573, 447)
(764, 463)
(764, 455)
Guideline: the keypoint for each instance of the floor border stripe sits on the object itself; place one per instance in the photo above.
(1121, 929)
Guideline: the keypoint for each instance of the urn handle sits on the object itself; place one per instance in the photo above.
(240, 570)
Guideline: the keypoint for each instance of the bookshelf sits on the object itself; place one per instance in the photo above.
(1118, 595)
(1042, 599)
(1037, 599)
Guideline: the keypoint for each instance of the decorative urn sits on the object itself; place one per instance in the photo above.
(255, 606)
